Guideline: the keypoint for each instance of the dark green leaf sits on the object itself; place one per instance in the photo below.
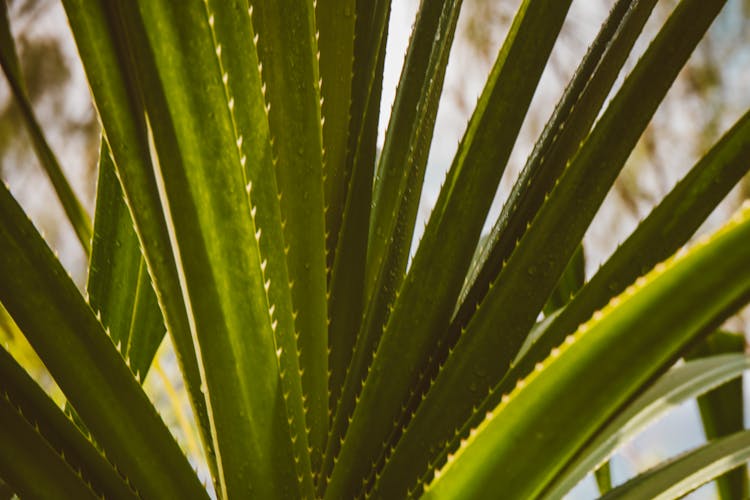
(42, 298)
(457, 217)
(100, 35)
(585, 381)
(58, 432)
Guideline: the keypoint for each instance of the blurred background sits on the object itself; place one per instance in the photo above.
(712, 91)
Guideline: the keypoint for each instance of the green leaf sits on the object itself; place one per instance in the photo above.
(663, 231)
(570, 282)
(682, 475)
(119, 287)
(335, 24)
(585, 381)
(59, 433)
(72, 206)
(502, 322)
(676, 386)
(217, 244)
(41, 298)
(347, 267)
(722, 410)
(100, 35)
(402, 164)
(232, 28)
(287, 49)
(397, 192)
(458, 217)
(666, 228)
(31, 467)
(568, 126)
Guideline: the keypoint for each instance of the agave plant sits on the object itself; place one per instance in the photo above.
(243, 208)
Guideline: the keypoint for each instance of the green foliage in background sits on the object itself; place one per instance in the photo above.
(241, 207)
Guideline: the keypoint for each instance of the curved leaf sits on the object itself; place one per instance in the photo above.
(562, 135)
(216, 244)
(347, 267)
(677, 385)
(42, 298)
(58, 431)
(568, 126)
(30, 465)
(232, 29)
(668, 226)
(682, 475)
(335, 25)
(584, 381)
(498, 328)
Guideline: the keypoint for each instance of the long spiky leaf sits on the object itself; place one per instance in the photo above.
(711, 278)
(41, 297)
(498, 328)
(458, 215)
(99, 29)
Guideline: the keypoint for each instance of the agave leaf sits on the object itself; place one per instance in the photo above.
(722, 410)
(216, 242)
(569, 124)
(570, 283)
(666, 228)
(584, 381)
(119, 288)
(352, 34)
(287, 49)
(41, 297)
(500, 325)
(30, 465)
(370, 38)
(118, 285)
(663, 231)
(402, 163)
(233, 28)
(100, 35)
(72, 206)
(348, 185)
(335, 25)
(59, 433)
(458, 216)
(682, 475)
(370, 33)
(347, 265)
(676, 386)
(564, 131)
(397, 191)
(351, 188)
